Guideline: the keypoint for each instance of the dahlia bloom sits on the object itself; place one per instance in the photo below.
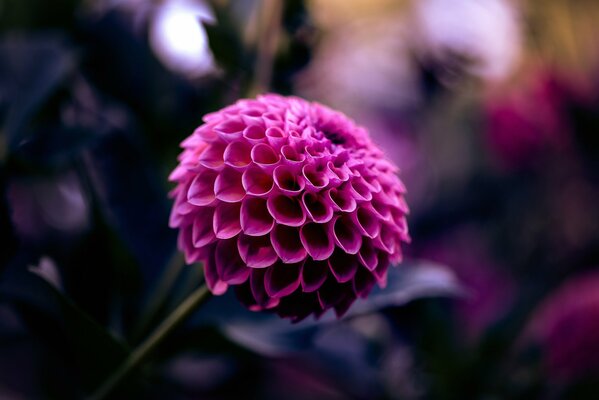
(290, 203)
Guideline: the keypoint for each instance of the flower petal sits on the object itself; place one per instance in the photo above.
(317, 241)
(256, 251)
(255, 218)
(281, 279)
(286, 242)
(226, 220)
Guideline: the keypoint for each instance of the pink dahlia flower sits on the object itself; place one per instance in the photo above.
(289, 202)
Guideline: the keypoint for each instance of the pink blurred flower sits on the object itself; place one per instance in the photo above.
(529, 120)
(291, 203)
(490, 288)
(567, 327)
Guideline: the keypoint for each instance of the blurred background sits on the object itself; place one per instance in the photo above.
(489, 107)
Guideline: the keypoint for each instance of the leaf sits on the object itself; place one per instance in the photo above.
(33, 67)
(408, 282)
(57, 321)
(270, 335)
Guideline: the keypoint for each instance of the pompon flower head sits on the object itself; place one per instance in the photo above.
(290, 203)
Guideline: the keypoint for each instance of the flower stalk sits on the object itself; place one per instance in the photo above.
(145, 349)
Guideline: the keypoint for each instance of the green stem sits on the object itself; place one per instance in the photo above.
(141, 353)
(160, 296)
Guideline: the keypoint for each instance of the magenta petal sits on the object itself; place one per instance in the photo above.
(231, 129)
(314, 273)
(286, 210)
(380, 208)
(203, 233)
(342, 200)
(228, 187)
(367, 221)
(316, 179)
(259, 291)
(215, 284)
(256, 251)
(286, 242)
(212, 157)
(368, 256)
(346, 234)
(288, 181)
(204, 132)
(201, 190)
(264, 156)
(343, 265)
(237, 154)
(256, 182)
(276, 136)
(226, 220)
(255, 218)
(254, 133)
(229, 265)
(360, 189)
(281, 280)
(363, 282)
(380, 272)
(291, 155)
(318, 209)
(316, 241)
(332, 292)
(337, 174)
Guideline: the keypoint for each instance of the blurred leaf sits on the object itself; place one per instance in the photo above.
(31, 69)
(57, 320)
(408, 282)
(270, 335)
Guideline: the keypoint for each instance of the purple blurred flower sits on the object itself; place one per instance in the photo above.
(291, 203)
(529, 120)
(491, 289)
(567, 328)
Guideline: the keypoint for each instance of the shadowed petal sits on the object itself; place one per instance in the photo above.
(256, 251)
(286, 242)
(317, 241)
(286, 210)
(226, 220)
(346, 234)
(256, 182)
(203, 233)
(317, 208)
(230, 129)
(255, 218)
(201, 190)
(264, 156)
(228, 187)
(213, 156)
(363, 282)
(343, 265)
(282, 279)
(288, 181)
(237, 154)
(342, 200)
(259, 291)
(368, 255)
(314, 273)
(229, 265)
(367, 221)
(215, 284)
